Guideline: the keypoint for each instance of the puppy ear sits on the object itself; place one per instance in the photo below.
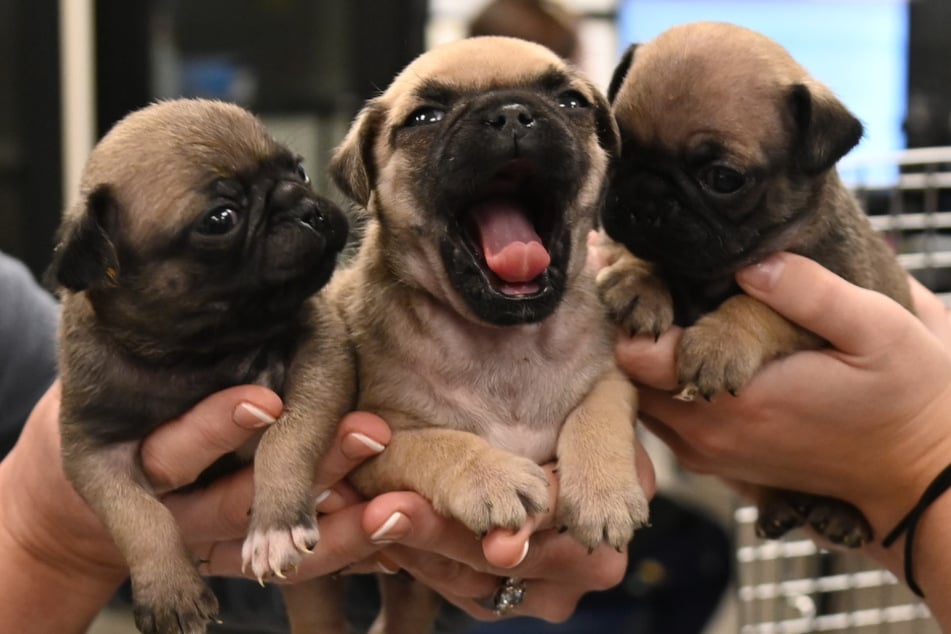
(85, 256)
(352, 166)
(826, 129)
(620, 72)
(609, 136)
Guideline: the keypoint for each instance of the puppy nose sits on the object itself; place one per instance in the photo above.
(511, 117)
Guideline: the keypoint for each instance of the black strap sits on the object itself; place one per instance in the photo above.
(910, 524)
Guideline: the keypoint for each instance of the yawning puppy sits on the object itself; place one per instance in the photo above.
(478, 330)
(188, 266)
(728, 155)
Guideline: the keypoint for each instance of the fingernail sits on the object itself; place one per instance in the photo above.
(763, 274)
(524, 554)
(364, 443)
(251, 417)
(395, 527)
(329, 502)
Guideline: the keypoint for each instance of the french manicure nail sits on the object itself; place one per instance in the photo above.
(396, 526)
(524, 554)
(251, 416)
(365, 440)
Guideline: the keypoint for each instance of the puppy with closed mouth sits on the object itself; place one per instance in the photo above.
(478, 331)
(728, 155)
(189, 265)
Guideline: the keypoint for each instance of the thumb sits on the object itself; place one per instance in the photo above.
(820, 301)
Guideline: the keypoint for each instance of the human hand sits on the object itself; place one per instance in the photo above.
(864, 420)
(446, 556)
(46, 517)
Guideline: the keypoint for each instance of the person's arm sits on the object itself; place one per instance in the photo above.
(867, 420)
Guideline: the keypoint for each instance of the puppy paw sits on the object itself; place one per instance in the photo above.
(496, 490)
(601, 504)
(714, 357)
(776, 516)
(839, 522)
(177, 604)
(277, 549)
(635, 299)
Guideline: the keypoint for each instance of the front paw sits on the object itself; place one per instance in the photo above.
(597, 508)
(179, 603)
(714, 357)
(277, 548)
(498, 489)
(635, 299)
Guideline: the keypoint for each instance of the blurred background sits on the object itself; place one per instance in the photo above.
(71, 68)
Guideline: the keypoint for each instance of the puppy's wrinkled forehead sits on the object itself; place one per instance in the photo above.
(159, 161)
(475, 65)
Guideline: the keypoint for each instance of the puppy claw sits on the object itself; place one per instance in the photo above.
(270, 552)
(688, 393)
(498, 490)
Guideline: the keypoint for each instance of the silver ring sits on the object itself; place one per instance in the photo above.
(508, 596)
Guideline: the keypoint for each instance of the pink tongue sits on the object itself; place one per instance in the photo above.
(512, 249)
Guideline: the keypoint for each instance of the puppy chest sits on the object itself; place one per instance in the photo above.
(520, 408)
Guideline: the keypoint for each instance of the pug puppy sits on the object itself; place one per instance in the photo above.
(479, 335)
(189, 265)
(728, 155)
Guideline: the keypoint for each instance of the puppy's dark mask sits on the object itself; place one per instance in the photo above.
(515, 160)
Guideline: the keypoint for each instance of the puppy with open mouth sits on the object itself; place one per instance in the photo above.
(190, 265)
(728, 155)
(478, 331)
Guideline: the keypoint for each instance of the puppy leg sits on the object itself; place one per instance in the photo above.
(634, 296)
(283, 519)
(600, 497)
(460, 473)
(169, 596)
(725, 347)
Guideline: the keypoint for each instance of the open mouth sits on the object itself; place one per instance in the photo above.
(508, 231)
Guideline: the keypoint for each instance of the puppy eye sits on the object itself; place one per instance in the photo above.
(722, 180)
(572, 99)
(427, 115)
(218, 222)
(302, 173)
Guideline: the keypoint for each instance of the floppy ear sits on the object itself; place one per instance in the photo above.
(609, 137)
(825, 127)
(85, 256)
(352, 166)
(620, 72)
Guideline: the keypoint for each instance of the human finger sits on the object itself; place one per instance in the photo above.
(648, 361)
(176, 453)
(360, 435)
(820, 301)
(931, 310)
(341, 544)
